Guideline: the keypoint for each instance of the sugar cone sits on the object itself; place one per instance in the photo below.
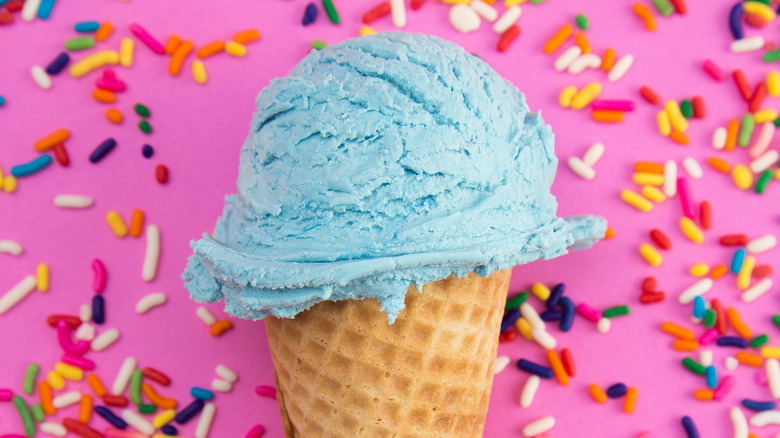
(342, 371)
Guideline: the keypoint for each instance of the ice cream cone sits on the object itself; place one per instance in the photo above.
(342, 371)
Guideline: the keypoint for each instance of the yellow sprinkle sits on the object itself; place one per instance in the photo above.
(700, 269)
(366, 30)
(91, 62)
(1, 178)
(116, 223)
(455, 2)
(235, 49)
(42, 277)
(691, 230)
(55, 381)
(742, 175)
(68, 371)
(777, 174)
(773, 83)
(163, 418)
(675, 115)
(586, 96)
(768, 352)
(199, 71)
(510, 3)
(9, 184)
(636, 200)
(566, 96)
(126, 52)
(655, 179)
(541, 291)
(664, 124)
(524, 327)
(765, 115)
(745, 274)
(761, 9)
(652, 193)
(650, 254)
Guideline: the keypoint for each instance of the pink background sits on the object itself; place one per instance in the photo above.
(198, 131)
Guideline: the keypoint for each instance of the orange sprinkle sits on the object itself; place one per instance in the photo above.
(646, 15)
(220, 327)
(114, 116)
(703, 394)
(597, 393)
(610, 234)
(104, 31)
(136, 222)
(157, 399)
(752, 435)
(737, 324)
(178, 57)
(630, 403)
(608, 60)
(52, 140)
(85, 409)
(607, 116)
(44, 392)
(731, 134)
(648, 167)
(172, 44)
(581, 40)
(557, 367)
(685, 345)
(96, 385)
(719, 271)
(246, 36)
(679, 137)
(677, 331)
(559, 38)
(211, 48)
(749, 359)
(719, 164)
(104, 96)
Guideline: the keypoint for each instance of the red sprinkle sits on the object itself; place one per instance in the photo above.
(115, 400)
(416, 4)
(759, 94)
(5, 16)
(72, 321)
(14, 5)
(762, 271)
(156, 376)
(705, 215)
(266, 391)
(649, 95)
(660, 238)
(568, 362)
(161, 173)
(734, 240)
(755, 20)
(507, 336)
(508, 37)
(649, 284)
(742, 85)
(699, 108)
(61, 155)
(652, 297)
(376, 12)
(722, 324)
(679, 6)
(80, 429)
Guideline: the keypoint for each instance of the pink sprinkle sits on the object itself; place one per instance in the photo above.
(63, 336)
(709, 336)
(613, 105)
(109, 73)
(147, 39)
(99, 279)
(256, 432)
(714, 71)
(588, 312)
(78, 361)
(725, 387)
(6, 394)
(761, 377)
(688, 207)
(117, 433)
(645, 435)
(266, 391)
(114, 85)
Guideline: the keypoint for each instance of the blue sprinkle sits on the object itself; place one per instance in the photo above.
(567, 317)
(190, 411)
(98, 309)
(102, 150)
(109, 416)
(201, 394)
(87, 26)
(699, 308)
(58, 64)
(732, 341)
(147, 151)
(690, 428)
(551, 315)
(44, 9)
(509, 319)
(712, 377)
(555, 295)
(535, 369)
(735, 21)
(2, 100)
(33, 166)
(736, 262)
(309, 14)
(617, 390)
(169, 430)
(758, 406)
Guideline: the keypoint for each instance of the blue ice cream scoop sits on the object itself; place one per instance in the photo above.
(377, 163)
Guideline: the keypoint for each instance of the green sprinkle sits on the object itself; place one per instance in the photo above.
(664, 7)
(766, 2)
(145, 126)
(24, 412)
(29, 378)
(694, 367)
(772, 56)
(37, 413)
(536, 2)
(776, 320)
(79, 43)
(333, 14)
(763, 181)
(142, 110)
(746, 129)
(616, 311)
(710, 318)
(516, 301)
(135, 387)
(582, 22)
(777, 122)
(686, 108)
(759, 341)
(147, 409)
(318, 44)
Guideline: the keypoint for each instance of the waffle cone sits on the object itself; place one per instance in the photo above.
(342, 371)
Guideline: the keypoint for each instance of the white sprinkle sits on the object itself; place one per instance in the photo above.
(204, 422)
(539, 426)
(66, 399)
(699, 288)
(719, 138)
(507, 19)
(580, 168)
(765, 161)
(486, 11)
(772, 367)
(529, 390)
(17, 293)
(670, 178)
(40, 77)
(137, 422)
(206, 316)
(543, 338)
(565, 59)
(500, 363)
(464, 19)
(731, 363)
(226, 373)
(51, 428)
(593, 154)
(530, 314)
(10, 247)
(152, 256)
(620, 68)
(588, 60)
(762, 244)
(757, 290)
(105, 339)
(85, 312)
(398, 12)
(765, 418)
(748, 44)
(696, 320)
(30, 9)
(150, 301)
(123, 376)
(705, 358)
(603, 325)
(693, 168)
(739, 422)
(73, 201)
(85, 332)
(220, 385)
